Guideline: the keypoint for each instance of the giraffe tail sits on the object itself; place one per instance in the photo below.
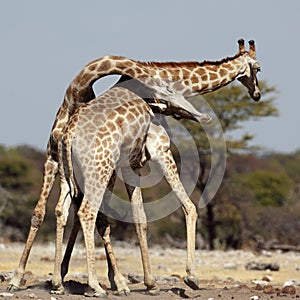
(66, 165)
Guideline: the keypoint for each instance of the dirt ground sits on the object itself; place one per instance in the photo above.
(222, 274)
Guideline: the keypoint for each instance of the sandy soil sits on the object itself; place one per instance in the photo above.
(222, 274)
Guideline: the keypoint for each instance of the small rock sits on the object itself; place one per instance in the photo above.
(135, 278)
(230, 266)
(172, 279)
(290, 290)
(269, 290)
(262, 266)
(254, 298)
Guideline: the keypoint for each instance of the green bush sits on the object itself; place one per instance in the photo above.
(269, 188)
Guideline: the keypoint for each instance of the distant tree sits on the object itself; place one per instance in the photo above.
(290, 163)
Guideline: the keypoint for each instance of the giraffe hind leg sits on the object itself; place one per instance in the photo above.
(87, 216)
(61, 212)
(116, 279)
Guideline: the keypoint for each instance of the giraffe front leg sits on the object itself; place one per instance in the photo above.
(170, 171)
(158, 145)
(50, 171)
(190, 217)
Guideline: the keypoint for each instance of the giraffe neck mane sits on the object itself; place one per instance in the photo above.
(189, 64)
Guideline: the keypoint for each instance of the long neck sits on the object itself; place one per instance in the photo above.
(187, 79)
(192, 78)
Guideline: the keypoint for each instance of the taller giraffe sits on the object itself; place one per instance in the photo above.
(170, 82)
(76, 128)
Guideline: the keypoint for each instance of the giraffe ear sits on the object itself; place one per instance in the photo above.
(252, 50)
(241, 43)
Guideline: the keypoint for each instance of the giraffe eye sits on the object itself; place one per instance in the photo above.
(256, 67)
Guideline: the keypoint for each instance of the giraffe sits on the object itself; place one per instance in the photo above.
(170, 83)
(154, 146)
(115, 130)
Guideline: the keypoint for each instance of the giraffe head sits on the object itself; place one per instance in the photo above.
(248, 77)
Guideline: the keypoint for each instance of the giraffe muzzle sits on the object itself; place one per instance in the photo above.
(256, 95)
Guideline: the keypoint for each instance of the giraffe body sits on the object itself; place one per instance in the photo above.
(115, 143)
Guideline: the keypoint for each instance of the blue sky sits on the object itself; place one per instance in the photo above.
(44, 44)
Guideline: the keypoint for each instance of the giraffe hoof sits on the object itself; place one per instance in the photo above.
(58, 291)
(96, 295)
(124, 291)
(192, 282)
